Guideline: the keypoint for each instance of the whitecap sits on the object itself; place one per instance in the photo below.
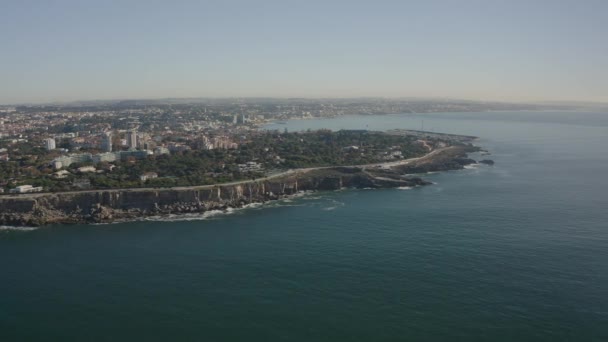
(22, 229)
(253, 205)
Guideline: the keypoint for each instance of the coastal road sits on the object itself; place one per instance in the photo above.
(269, 177)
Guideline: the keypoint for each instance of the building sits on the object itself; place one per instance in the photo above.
(81, 158)
(105, 157)
(161, 150)
(176, 147)
(149, 145)
(56, 164)
(148, 175)
(65, 161)
(142, 154)
(61, 174)
(49, 144)
(250, 167)
(84, 169)
(24, 189)
(132, 139)
(106, 142)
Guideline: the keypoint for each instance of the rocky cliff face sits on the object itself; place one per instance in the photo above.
(115, 205)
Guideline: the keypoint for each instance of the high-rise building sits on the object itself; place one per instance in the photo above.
(49, 144)
(132, 139)
(106, 142)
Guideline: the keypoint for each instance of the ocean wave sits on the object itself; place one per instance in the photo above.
(252, 205)
(309, 198)
(333, 204)
(190, 216)
(212, 214)
(301, 193)
(15, 228)
(405, 187)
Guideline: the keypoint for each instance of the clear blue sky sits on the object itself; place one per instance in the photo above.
(57, 50)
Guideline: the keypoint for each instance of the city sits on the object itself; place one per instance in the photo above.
(142, 143)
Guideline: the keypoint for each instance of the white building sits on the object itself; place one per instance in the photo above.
(49, 144)
(61, 174)
(148, 175)
(84, 169)
(105, 157)
(57, 164)
(132, 139)
(250, 167)
(24, 189)
(161, 150)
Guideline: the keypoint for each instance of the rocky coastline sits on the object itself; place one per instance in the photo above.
(107, 206)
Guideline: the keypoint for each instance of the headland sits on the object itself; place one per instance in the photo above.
(115, 205)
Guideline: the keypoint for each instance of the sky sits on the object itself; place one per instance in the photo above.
(511, 50)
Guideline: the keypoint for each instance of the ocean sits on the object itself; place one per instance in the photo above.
(517, 251)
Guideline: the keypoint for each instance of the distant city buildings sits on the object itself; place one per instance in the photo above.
(109, 133)
(217, 142)
(65, 161)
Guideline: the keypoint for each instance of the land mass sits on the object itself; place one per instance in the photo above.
(113, 205)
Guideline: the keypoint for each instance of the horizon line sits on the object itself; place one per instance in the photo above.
(414, 98)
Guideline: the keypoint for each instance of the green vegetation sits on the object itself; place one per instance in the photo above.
(326, 148)
(273, 150)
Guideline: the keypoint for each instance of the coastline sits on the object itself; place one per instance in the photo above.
(119, 205)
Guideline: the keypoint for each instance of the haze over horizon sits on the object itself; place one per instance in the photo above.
(515, 51)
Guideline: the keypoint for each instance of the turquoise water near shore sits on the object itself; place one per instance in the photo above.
(513, 252)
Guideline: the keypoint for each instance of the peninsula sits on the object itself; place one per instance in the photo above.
(110, 163)
(112, 205)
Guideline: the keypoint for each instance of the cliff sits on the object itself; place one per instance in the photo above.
(98, 206)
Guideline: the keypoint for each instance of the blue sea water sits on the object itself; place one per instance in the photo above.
(512, 252)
